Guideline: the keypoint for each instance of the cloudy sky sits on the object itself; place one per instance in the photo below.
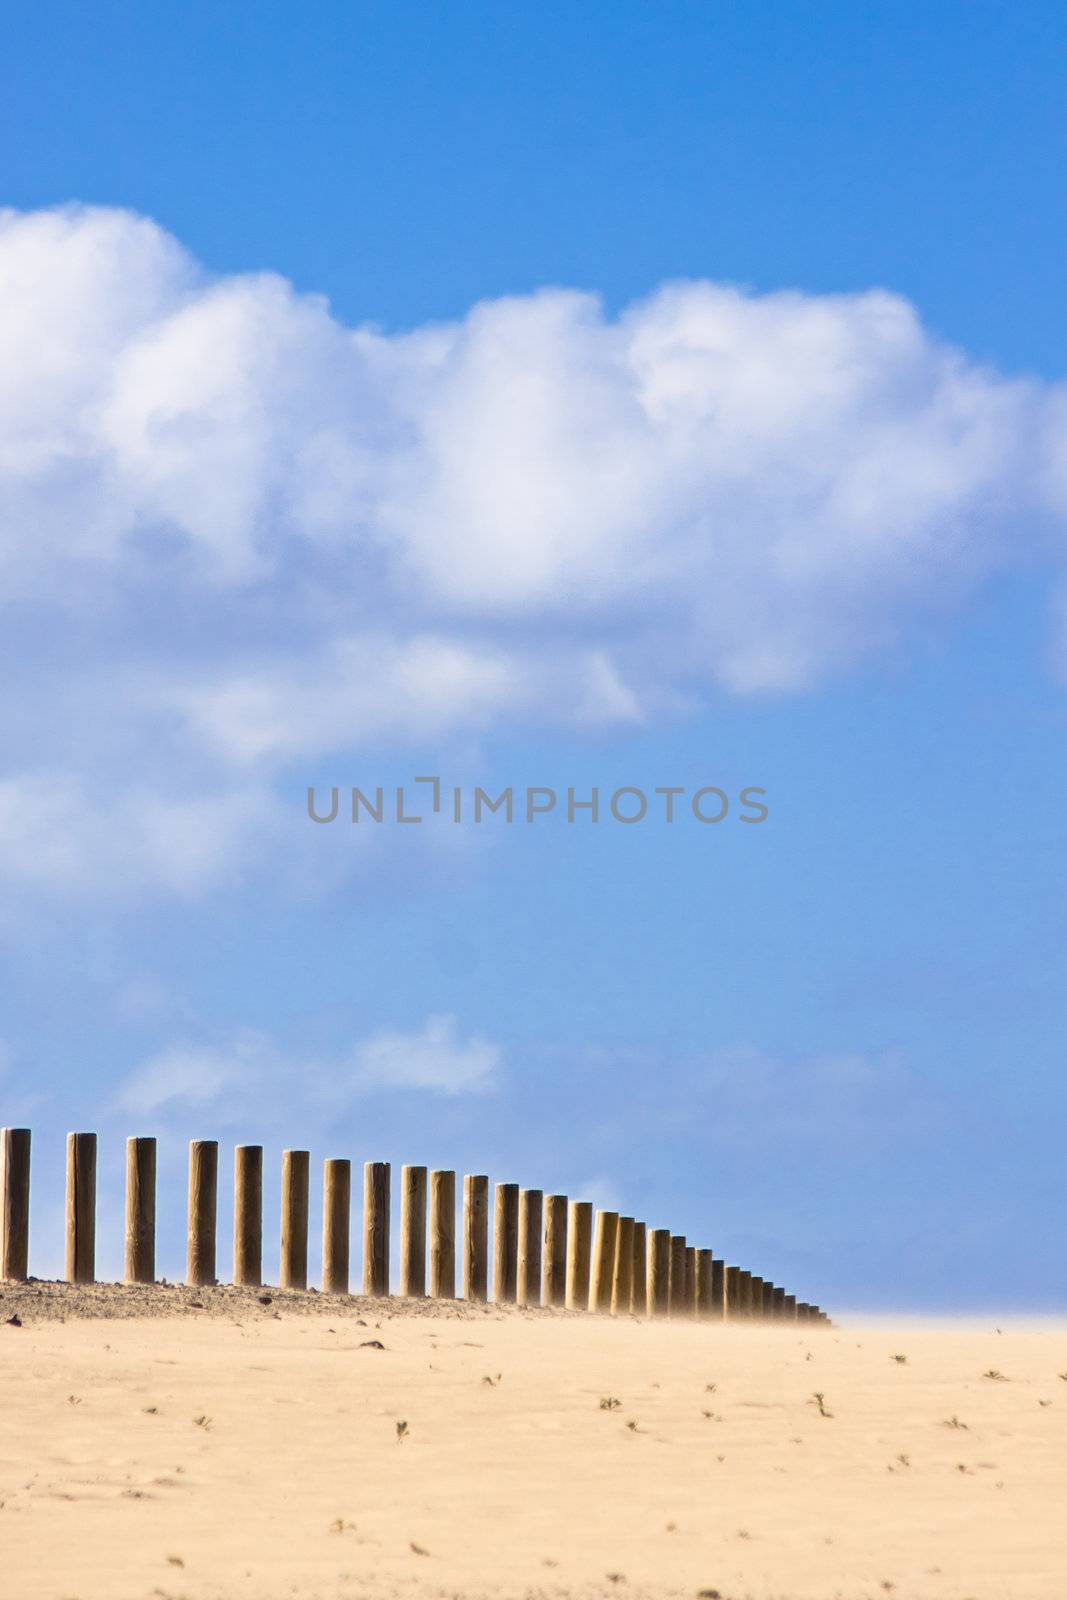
(661, 398)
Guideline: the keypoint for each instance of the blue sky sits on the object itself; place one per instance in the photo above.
(619, 396)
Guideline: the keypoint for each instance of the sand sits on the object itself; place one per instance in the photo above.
(210, 1445)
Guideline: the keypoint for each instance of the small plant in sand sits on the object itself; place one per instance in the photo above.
(953, 1422)
(903, 1360)
(401, 1432)
(610, 1403)
(819, 1399)
(998, 1377)
(202, 1422)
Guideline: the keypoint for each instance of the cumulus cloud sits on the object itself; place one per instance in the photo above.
(193, 1076)
(435, 1057)
(237, 535)
(251, 1066)
(56, 832)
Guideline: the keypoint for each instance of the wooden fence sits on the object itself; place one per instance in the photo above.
(547, 1250)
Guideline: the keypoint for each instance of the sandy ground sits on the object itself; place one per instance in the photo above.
(269, 1450)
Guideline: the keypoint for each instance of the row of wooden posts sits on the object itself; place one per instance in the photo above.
(547, 1250)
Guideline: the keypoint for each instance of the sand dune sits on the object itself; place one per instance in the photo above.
(270, 1450)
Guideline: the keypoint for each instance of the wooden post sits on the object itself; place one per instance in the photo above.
(579, 1249)
(691, 1286)
(622, 1275)
(745, 1308)
(639, 1286)
(802, 1310)
(140, 1211)
(248, 1215)
(740, 1305)
(476, 1238)
(336, 1224)
(296, 1174)
(703, 1305)
(659, 1272)
(443, 1235)
(413, 1232)
(679, 1296)
(528, 1286)
(718, 1289)
(506, 1244)
(605, 1233)
(15, 1204)
(757, 1297)
(790, 1308)
(203, 1192)
(554, 1280)
(376, 1227)
(779, 1303)
(81, 1207)
(732, 1293)
(768, 1301)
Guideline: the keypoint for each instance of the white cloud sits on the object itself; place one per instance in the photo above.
(58, 833)
(434, 1057)
(250, 1067)
(194, 1076)
(236, 535)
